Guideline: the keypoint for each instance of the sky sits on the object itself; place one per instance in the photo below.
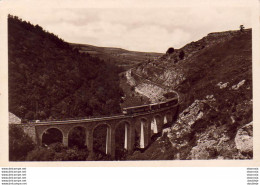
(150, 26)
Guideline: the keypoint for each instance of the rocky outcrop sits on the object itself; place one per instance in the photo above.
(191, 119)
(214, 84)
(201, 133)
(129, 78)
(13, 119)
(237, 86)
(244, 139)
(153, 92)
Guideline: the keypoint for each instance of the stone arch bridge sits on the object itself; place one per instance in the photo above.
(144, 124)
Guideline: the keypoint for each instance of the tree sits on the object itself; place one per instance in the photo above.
(59, 82)
(170, 51)
(19, 143)
(30, 115)
(242, 28)
(57, 152)
(77, 137)
(181, 55)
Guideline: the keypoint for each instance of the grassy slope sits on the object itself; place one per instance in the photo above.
(121, 57)
(229, 61)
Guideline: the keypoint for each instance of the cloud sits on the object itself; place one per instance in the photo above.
(148, 28)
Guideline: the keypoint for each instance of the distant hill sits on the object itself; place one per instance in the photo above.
(120, 57)
(50, 79)
(213, 77)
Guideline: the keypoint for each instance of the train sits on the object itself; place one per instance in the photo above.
(150, 107)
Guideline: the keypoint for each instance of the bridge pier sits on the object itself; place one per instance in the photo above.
(142, 135)
(65, 139)
(130, 138)
(159, 123)
(155, 126)
(110, 142)
(126, 136)
(89, 140)
(39, 141)
(145, 135)
(165, 120)
(169, 117)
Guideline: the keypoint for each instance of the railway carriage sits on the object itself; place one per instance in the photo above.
(136, 109)
(154, 106)
(173, 101)
(150, 107)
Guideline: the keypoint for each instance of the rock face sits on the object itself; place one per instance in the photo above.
(153, 92)
(214, 83)
(13, 119)
(27, 128)
(244, 139)
(129, 78)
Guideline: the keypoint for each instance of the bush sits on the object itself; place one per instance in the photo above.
(30, 115)
(241, 28)
(181, 55)
(170, 51)
(40, 154)
(19, 143)
(57, 152)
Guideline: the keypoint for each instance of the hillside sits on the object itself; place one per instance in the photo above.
(120, 57)
(48, 79)
(53, 79)
(213, 77)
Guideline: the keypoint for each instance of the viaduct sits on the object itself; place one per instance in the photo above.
(144, 124)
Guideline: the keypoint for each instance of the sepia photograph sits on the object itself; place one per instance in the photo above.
(130, 83)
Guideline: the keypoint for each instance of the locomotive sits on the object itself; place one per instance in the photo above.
(150, 107)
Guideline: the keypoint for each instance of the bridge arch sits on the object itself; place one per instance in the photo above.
(73, 127)
(168, 117)
(52, 135)
(102, 138)
(77, 136)
(122, 138)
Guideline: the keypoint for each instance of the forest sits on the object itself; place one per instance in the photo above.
(51, 80)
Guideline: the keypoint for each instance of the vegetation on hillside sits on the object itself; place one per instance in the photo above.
(57, 152)
(122, 58)
(49, 79)
(20, 144)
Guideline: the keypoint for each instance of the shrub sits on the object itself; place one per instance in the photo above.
(30, 115)
(170, 51)
(57, 152)
(181, 55)
(19, 143)
(242, 28)
(40, 154)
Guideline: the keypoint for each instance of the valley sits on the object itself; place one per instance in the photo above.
(50, 79)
